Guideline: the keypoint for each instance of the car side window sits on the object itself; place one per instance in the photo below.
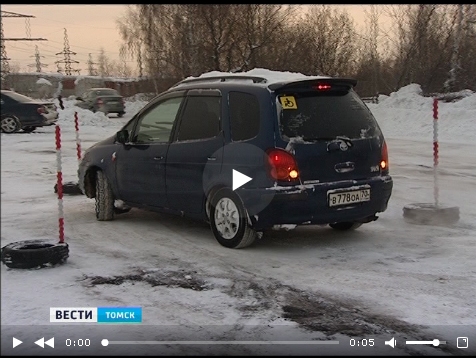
(244, 116)
(155, 126)
(200, 119)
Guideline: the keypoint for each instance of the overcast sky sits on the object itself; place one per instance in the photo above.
(89, 27)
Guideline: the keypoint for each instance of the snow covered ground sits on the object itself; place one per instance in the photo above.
(387, 279)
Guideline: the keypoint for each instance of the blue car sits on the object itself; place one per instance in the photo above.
(246, 154)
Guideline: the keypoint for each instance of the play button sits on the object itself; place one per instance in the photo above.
(16, 342)
(239, 179)
(233, 163)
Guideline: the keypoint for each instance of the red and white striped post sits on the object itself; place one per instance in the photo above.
(59, 183)
(435, 151)
(78, 142)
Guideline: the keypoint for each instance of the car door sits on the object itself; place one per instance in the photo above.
(140, 163)
(197, 147)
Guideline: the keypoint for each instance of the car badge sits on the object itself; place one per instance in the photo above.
(343, 146)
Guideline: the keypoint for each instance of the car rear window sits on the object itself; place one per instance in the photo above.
(315, 115)
(107, 93)
(18, 97)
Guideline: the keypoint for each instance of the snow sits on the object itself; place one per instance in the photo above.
(269, 75)
(386, 279)
(43, 81)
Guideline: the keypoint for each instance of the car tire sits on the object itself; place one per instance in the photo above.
(28, 129)
(121, 114)
(104, 204)
(345, 226)
(229, 220)
(34, 253)
(10, 124)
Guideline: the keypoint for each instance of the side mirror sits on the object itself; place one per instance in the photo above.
(122, 136)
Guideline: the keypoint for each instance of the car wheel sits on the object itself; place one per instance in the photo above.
(28, 129)
(10, 124)
(344, 226)
(104, 198)
(34, 253)
(229, 220)
(120, 114)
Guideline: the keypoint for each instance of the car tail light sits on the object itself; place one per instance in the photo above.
(384, 160)
(100, 102)
(41, 110)
(282, 165)
(123, 101)
(322, 87)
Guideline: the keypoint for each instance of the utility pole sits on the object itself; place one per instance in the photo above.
(37, 63)
(5, 69)
(67, 57)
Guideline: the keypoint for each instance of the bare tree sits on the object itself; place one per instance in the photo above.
(328, 39)
(455, 55)
(131, 36)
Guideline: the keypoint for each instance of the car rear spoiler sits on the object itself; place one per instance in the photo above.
(348, 82)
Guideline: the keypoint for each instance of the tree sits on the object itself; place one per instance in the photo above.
(328, 39)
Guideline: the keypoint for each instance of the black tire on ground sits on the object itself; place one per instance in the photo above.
(120, 114)
(429, 214)
(229, 220)
(34, 253)
(344, 226)
(10, 124)
(104, 204)
(28, 129)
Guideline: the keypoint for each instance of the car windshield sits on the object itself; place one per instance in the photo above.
(324, 116)
(106, 92)
(18, 97)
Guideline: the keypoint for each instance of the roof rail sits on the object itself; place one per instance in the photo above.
(255, 79)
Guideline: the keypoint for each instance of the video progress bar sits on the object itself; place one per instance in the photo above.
(106, 342)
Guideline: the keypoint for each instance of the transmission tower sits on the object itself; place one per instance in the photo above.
(91, 70)
(5, 69)
(37, 63)
(67, 57)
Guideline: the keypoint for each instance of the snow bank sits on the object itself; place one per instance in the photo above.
(407, 114)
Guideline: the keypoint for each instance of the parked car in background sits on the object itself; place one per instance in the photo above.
(19, 112)
(246, 154)
(105, 100)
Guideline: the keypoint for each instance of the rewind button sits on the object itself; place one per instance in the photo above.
(50, 342)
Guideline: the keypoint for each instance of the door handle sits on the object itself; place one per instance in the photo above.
(212, 158)
(158, 158)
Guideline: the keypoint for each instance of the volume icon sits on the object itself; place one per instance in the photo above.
(391, 342)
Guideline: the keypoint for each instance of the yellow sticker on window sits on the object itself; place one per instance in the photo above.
(288, 102)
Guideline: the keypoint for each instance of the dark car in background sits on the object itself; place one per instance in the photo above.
(106, 100)
(19, 112)
(246, 154)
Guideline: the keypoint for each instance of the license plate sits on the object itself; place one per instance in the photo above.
(349, 197)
